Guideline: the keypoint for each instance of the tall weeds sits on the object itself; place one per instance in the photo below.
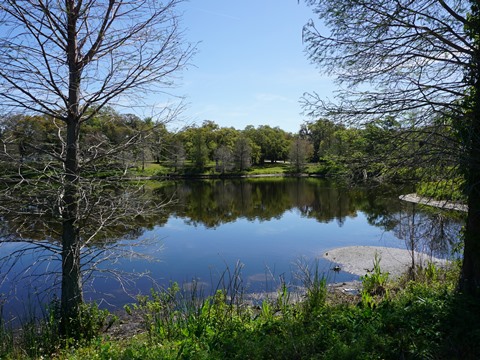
(6, 336)
(36, 335)
(423, 320)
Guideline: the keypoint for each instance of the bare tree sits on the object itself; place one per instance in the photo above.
(417, 61)
(177, 155)
(242, 153)
(224, 159)
(66, 61)
(300, 150)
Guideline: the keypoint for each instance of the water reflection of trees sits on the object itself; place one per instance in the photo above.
(216, 202)
(212, 203)
(430, 231)
(30, 233)
(37, 222)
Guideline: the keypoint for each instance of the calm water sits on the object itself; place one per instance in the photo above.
(267, 225)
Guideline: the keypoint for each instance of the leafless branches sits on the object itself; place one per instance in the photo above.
(61, 64)
(123, 49)
(397, 58)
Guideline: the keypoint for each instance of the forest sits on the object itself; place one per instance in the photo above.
(383, 150)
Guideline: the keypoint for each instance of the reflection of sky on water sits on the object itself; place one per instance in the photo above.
(268, 250)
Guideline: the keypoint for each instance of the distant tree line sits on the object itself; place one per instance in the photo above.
(358, 152)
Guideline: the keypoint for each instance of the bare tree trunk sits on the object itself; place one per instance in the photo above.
(72, 295)
(470, 278)
(66, 60)
(412, 242)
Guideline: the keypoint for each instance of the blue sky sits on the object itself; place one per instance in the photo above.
(250, 68)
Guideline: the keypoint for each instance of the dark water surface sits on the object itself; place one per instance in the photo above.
(268, 225)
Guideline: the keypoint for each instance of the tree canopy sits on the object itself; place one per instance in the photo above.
(417, 61)
(391, 57)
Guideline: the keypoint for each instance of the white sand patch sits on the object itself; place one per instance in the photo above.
(442, 204)
(359, 259)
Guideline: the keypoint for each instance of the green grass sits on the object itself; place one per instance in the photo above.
(150, 169)
(274, 169)
(327, 168)
(425, 319)
(279, 168)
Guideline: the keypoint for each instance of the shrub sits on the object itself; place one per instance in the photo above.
(374, 283)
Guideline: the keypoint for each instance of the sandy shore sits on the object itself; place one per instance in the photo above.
(443, 204)
(359, 259)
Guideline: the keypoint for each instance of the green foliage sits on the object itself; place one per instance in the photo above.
(6, 336)
(333, 150)
(159, 312)
(330, 167)
(150, 169)
(316, 290)
(93, 321)
(451, 189)
(426, 319)
(374, 283)
(38, 337)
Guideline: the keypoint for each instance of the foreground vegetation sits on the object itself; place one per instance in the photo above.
(422, 319)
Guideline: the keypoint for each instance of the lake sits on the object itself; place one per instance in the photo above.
(272, 226)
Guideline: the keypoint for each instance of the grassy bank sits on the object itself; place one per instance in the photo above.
(425, 319)
(188, 170)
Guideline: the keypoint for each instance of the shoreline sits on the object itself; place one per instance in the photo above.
(359, 260)
(441, 204)
(219, 176)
